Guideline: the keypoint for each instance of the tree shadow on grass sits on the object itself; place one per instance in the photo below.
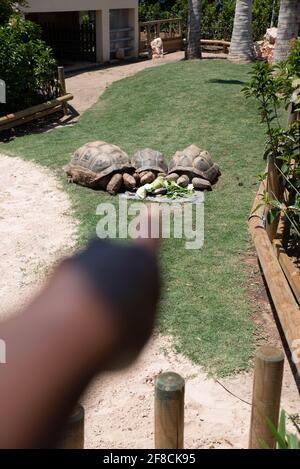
(225, 82)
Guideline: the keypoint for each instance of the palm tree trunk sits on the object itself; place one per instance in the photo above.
(242, 49)
(193, 36)
(288, 25)
(273, 14)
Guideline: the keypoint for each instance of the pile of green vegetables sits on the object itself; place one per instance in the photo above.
(162, 187)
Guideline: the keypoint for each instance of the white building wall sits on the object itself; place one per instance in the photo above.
(102, 8)
(78, 5)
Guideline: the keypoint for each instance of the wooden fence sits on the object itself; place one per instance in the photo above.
(281, 274)
(169, 408)
(171, 32)
(40, 110)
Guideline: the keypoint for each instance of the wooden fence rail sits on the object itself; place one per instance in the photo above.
(281, 274)
(282, 295)
(171, 32)
(40, 110)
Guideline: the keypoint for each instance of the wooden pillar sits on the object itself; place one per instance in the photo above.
(134, 23)
(267, 386)
(169, 411)
(99, 37)
(62, 83)
(149, 42)
(105, 35)
(158, 30)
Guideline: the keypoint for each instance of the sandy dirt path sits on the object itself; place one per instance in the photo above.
(120, 407)
(36, 227)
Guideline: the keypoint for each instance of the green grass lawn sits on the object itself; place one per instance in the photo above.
(205, 305)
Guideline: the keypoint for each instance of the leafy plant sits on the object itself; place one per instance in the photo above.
(275, 87)
(217, 15)
(26, 65)
(8, 8)
(284, 440)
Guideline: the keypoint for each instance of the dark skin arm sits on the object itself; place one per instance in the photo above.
(54, 348)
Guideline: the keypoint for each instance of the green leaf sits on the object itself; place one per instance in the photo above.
(280, 441)
(272, 214)
(258, 206)
(262, 176)
(293, 442)
(282, 426)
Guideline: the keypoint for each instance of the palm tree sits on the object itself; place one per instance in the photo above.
(193, 34)
(288, 28)
(241, 48)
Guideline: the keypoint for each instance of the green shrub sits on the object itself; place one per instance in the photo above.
(217, 15)
(262, 15)
(293, 62)
(152, 11)
(26, 65)
(272, 87)
(7, 8)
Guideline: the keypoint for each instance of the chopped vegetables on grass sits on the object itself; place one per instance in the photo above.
(163, 187)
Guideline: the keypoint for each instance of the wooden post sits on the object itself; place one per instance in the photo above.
(275, 190)
(267, 386)
(169, 411)
(62, 82)
(73, 437)
(180, 28)
(158, 30)
(140, 38)
(148, 41)
(292, 116)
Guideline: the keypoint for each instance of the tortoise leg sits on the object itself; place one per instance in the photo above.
(172, 177)
(201, 184)
(147, 178)
(115, 184)
(183, 181)
(102, 183)
(129, 181)
(137, 178)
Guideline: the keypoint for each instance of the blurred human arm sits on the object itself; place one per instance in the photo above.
(79, 325)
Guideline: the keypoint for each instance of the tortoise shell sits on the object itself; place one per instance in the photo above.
(196, 162)
(93, 164)
(149, 160)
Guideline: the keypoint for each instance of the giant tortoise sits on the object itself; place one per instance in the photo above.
(149, 164)
(193, 165)
(101, 165)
